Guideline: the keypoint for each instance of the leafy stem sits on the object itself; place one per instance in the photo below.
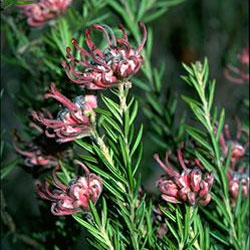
(198, 75)
(121, 153)
(215, 145)
(98, 225)
(191, 231)
(124, 112)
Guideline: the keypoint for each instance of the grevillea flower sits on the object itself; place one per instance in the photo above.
(74, 197)
(239, 74)
(72, 122)
(40, 150)
(235, 178)
(238, 149)
(33, 153)
(104, 69)
(191, 186)
(38, 14)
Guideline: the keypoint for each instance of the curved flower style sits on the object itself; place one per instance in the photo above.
(34, 154)
(107, 68)
(40, 150)
(239, 74)
(73, 121)
(234, 181)
(237, 149)
(191, 186)
(75, 197)
(40, 13)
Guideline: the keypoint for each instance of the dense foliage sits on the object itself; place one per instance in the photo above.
(95, 119)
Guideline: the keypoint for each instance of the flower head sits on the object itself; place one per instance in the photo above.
(40, 150)
(38, 14)
(191, 186)
(104, 69)
(238, 149)
(72, 122)
(235, 179)
(239, 74)
(74, 197)
(33, 153)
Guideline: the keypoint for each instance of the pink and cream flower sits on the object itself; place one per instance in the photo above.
(235, 179)
(99, 69)
(191, 185)
(73, 122)
(38, 14)
(239, 74)
(33, 153)
(74, 197)
(238, 149)
(39, 150)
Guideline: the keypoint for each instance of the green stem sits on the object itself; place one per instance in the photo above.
(106, 238)
(191, 232)
(217, 155)
(123, 93)
(102, 146)
(196, 244)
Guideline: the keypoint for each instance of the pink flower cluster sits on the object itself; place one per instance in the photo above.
(72, 122)
(34, 154)
(238, 150)
(235, 175)
(235, 179)
(239, 74)
(38, 14)
(40, 150)
(104, 69)
(75, 197)
(101, 70)
(191, 186)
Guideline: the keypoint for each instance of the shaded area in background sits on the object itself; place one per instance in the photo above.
(188, 32)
